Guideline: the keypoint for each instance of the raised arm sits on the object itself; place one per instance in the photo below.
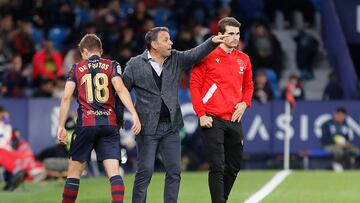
(190, 57)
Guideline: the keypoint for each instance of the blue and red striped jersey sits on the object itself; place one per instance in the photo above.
(94, 91)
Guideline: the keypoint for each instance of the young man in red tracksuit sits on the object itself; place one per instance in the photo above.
(221, 88)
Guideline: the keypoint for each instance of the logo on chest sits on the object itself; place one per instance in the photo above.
(241, 66)
(217, 60)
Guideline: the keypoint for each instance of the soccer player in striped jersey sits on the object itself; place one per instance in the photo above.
(94, 82)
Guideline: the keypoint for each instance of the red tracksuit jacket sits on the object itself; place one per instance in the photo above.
(219, 82)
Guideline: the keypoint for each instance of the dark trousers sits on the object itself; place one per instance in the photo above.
(167, 143)
(224, 146)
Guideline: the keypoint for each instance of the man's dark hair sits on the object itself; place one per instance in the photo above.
(341, 110)
(227, 21)
(90, 42)
(152, 35)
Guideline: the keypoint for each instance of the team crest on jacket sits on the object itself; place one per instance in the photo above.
(241, 66)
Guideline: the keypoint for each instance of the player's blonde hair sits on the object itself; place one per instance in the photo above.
(90, 42)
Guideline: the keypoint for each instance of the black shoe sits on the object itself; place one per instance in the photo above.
(15, 181)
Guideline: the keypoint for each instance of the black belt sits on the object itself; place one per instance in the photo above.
(164, 119)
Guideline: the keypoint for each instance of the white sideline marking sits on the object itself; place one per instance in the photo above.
(269, 187)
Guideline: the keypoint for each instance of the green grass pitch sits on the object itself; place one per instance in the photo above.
(300, 186)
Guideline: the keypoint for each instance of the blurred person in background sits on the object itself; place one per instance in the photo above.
(5, 129)
(17, 80)
(123, 55)
(333, 90)
(13, 175)
(263, 91)
(45, 88)
(335, 139)
(59, 85)
(221, 89)
(294, 87)
(184, 40)
(72, 56)
(47, 63)
(140, 35)
(264, 49)
(16, 155)
(124, 50)
(36, 171)
(23, 41)
(221, 13)
(307, 47)
(200, 33)
(137, 19)
(108, 23)
(6, 30)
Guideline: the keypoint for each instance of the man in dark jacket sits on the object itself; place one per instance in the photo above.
(155, 77)
(335, 139)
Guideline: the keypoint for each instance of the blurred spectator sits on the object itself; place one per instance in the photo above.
(72, 56)
(36, 170)
(59, 86)
(184, 41)
(128, 37)
(264, 49)
(137, 19)
(307, 49)
(19, 144)
(263, 91)
(294, 88)
(47, 63)
(45, 88)
(140, 35)
(16, 155)
(335, 139)
(186, 11)
(90, 28)
(196, 11)
(5, 129)
(108, 22)
(123, 55)
(333, 90)
(221, 13)
(124, 50)
(6, 29)
(65, 14)
(23, 41)
(200, 33)
(16, 79)
(38, 15)
(13, 178)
